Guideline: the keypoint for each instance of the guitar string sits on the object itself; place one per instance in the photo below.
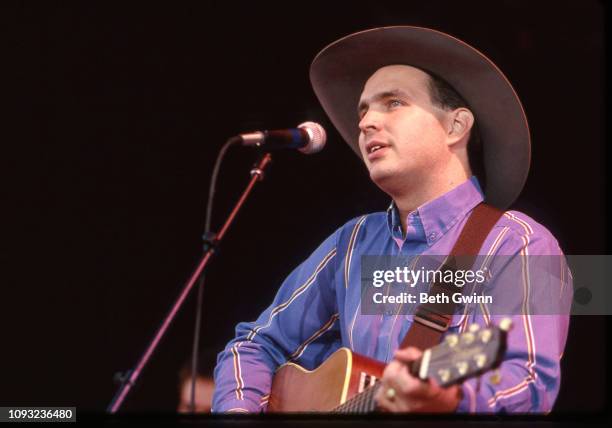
(357, 402)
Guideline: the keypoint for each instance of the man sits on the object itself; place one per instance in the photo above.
(414, 103)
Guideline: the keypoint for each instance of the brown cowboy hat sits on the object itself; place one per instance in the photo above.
(339, 72)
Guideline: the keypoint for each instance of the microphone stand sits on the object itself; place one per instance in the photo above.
(129, 378)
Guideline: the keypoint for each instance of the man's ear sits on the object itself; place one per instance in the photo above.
(461, 123)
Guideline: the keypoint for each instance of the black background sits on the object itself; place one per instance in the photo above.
(116, 111)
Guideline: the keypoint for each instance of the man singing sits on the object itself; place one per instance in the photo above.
(435, 122)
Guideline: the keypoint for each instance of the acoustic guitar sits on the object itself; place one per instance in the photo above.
(346, 382)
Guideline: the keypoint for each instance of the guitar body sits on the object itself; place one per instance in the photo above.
(343, 375)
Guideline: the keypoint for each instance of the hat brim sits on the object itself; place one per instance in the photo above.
(339, 72)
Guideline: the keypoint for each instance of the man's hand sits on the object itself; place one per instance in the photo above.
(402, 392)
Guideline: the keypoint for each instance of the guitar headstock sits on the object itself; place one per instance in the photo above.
(461, 356)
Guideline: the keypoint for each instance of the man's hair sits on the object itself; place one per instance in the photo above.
(443, 95)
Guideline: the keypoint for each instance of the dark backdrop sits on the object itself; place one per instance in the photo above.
(117, 111)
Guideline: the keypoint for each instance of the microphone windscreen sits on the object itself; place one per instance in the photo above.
(318, 137)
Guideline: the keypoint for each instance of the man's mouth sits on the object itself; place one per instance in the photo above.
(373, 147)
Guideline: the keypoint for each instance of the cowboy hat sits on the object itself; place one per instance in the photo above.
(339, 72)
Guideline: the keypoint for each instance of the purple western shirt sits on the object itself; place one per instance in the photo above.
(317, 309)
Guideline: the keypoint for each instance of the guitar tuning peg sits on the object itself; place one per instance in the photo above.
(467, 338)
(474, 328)
(444, 375)
(480, 359)
(495, 377)
(462, 367)
(451, 339)
(485, 335)
(505, 324)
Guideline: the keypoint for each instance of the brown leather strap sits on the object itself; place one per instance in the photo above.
(431, 320)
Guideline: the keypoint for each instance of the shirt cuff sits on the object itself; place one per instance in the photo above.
(237, 406)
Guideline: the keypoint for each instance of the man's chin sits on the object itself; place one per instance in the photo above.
(389, 181)
(382, 178)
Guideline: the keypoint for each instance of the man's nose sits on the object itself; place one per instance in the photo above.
(371, 121)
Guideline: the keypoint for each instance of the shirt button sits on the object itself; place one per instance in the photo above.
(432, 236)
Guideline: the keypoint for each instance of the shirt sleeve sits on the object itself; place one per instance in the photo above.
(299, 326)
(533, 288)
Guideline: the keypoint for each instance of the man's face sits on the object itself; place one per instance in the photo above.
(396, 114)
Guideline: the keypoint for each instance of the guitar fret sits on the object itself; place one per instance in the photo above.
(375, 388)
(361, 407)
(362, 403)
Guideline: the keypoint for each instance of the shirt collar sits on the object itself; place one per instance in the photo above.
(434, 218)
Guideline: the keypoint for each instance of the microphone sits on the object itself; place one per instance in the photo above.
(308, 138)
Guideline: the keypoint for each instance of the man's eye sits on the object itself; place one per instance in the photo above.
(395, 103)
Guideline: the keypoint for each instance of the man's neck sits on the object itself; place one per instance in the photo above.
(410, 201)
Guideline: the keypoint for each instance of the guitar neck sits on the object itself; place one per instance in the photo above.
(363, 402)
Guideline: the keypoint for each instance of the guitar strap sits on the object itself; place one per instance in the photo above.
(431, 320)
